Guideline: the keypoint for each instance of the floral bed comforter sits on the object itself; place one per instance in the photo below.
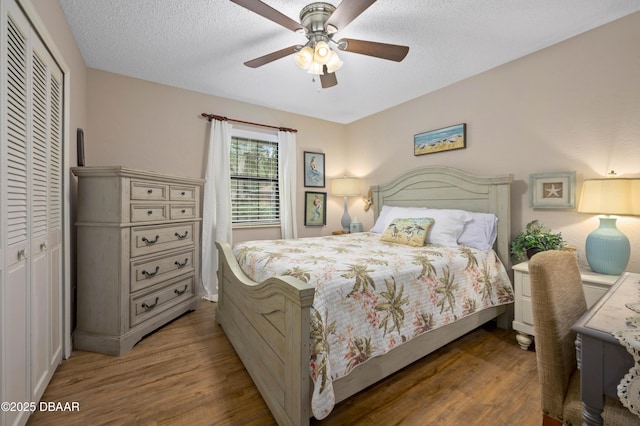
(371, 296)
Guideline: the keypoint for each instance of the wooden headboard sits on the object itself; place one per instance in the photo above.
(441, 187)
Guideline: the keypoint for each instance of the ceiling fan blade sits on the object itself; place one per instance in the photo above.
(347, 11)
(392, 52)
(270, 13)
(328, 79)
(270, 57)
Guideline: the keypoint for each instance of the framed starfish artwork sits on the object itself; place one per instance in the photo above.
(552, 190)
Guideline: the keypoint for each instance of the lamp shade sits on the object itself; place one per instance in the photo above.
(617, 196)
(304, 58)
(334, 63)
(345, 187)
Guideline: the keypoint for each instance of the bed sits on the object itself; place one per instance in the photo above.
(269, 323)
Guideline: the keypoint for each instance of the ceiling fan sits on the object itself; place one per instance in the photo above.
(319, 22)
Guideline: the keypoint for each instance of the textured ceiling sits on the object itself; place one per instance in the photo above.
(201, 45)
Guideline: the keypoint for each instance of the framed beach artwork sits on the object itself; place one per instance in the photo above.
(315, 208)
(552, 190)
(439, 140)
(313, 169)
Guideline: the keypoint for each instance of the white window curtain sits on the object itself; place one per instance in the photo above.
(287, 183)
(216, 215)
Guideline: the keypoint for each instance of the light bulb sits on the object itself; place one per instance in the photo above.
(316, 68)
(322, 53)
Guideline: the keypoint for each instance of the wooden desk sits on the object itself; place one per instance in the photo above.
(603, 361)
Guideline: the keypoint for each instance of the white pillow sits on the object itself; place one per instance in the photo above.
(480, 232)
(447, 226)
(380, 226)
(388, 213)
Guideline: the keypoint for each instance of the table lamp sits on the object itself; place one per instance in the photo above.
(345, 187)
(607, 249)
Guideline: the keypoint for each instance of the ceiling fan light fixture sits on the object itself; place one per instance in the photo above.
(322, 53)
(319, 22)
(304, 58)
(316, 68)
(334, 63)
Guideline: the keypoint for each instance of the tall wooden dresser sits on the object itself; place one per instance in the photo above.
(138, 243)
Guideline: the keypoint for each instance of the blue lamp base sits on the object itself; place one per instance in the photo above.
(607, 248)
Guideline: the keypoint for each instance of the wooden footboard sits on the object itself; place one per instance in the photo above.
(268, 325)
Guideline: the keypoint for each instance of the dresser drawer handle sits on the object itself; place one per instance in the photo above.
(149, 212)
(179, 292)
(182, 237)
(183, 211)
(182, 265)
(149, 191)
(146, 241)
(148, 307)
(183, 193)
(151, 274)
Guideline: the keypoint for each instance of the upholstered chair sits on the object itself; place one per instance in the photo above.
(558, 301)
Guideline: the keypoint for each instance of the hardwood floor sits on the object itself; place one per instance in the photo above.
(187, 373)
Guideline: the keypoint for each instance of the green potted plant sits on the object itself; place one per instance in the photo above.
(535, 238)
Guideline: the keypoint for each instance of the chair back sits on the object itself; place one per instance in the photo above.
(557, 301)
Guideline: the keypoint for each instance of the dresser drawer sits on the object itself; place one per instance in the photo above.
(182, 193)
(147, 272)
(149, 213)
(183, 212)
(150, 304)
(144, 190)
(153, 239)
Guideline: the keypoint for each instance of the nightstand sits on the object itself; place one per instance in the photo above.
(594, 285)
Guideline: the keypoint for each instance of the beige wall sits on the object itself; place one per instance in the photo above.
(573, 106)
(139, 124)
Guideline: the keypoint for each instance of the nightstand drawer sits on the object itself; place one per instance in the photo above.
(526, 285)
(527, 312)
(153, 239)
(149, 305)
(147, 272)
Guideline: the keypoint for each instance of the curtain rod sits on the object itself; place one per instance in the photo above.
(221, 118)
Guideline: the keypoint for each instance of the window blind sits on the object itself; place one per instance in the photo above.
(254, 181)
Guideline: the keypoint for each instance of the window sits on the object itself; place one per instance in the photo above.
(254, 178)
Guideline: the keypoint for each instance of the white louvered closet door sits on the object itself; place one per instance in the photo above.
(31, 243)
(15, 368)
(45, 217)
